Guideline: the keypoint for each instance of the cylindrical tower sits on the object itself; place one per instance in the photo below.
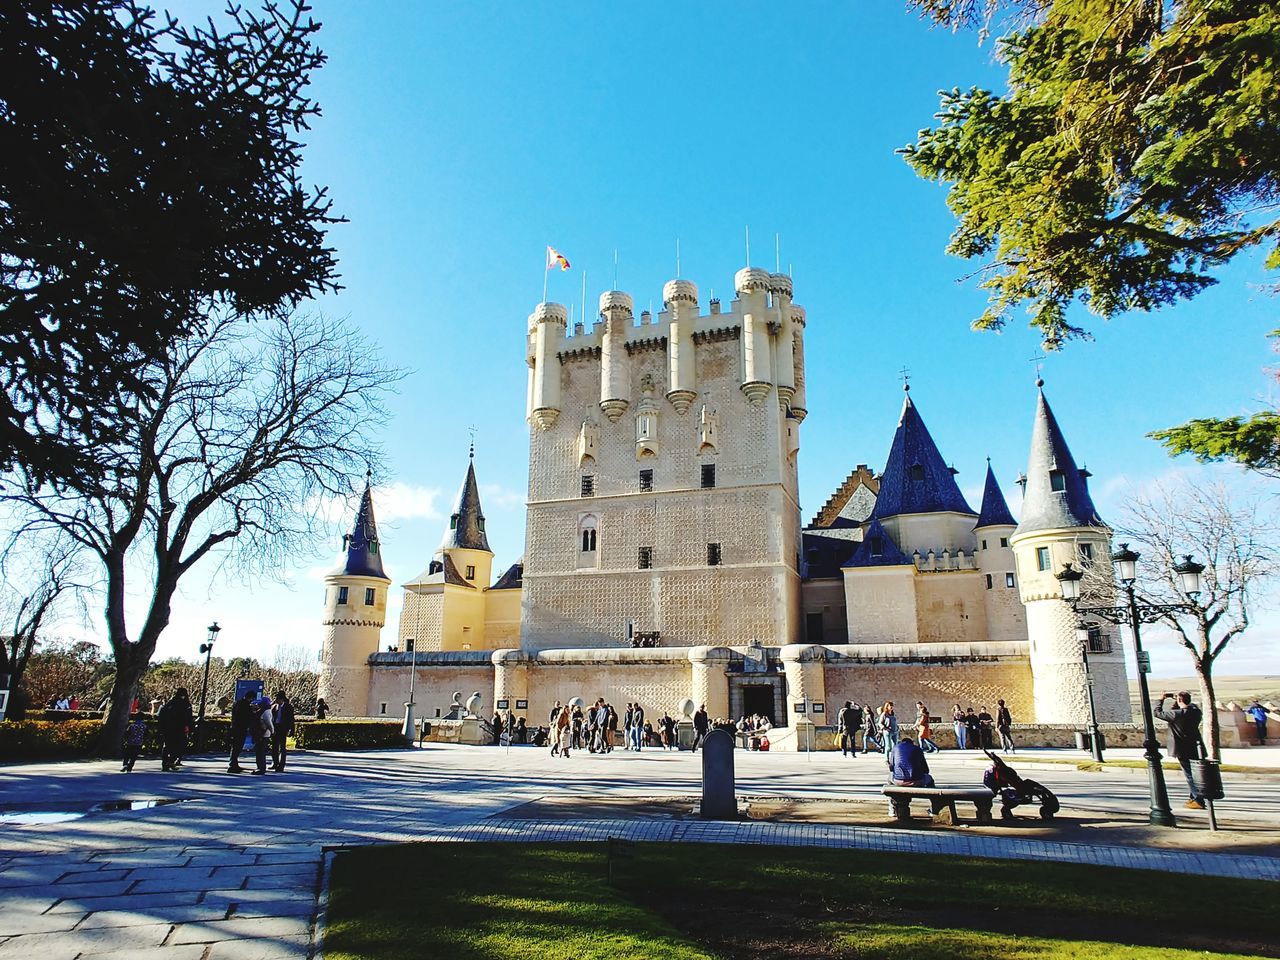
(799, 403)
(752, 285)
(511, 679)
(615, 378)
(355, 610)
(785, 368)
(548, 323)
(710, 681)
(805, 669)
(681, 299)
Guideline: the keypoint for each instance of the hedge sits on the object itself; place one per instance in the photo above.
(347, 734)
(30, 739)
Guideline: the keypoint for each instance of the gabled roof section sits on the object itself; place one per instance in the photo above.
(834, 508)
(513, 579)
(466, 521)
(877, 549)
(916, 479)
(363, 551)
(1057, 491)
(995, 511)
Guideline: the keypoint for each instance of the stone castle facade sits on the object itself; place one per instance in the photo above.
(666, 558)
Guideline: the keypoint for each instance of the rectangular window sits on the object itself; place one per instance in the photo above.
(373, 546)
(984, 544)
(988, 581)
(1086, 552)
(917, 472)
(342, 595)
(877, 546)
(588, 485)
(382, 708)
(708, 475)
(646, 558)
(1042, 558)
(713, 554)
(471, 573)
(1057, 480)
(369, 596)
(408, 646)
(480, 523)
(646, 480)
(1004, 541)
(1097, 642)
(1009, 581)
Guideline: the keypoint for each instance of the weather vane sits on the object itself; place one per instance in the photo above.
(1038, 360)
(472, 430)
(905, 375)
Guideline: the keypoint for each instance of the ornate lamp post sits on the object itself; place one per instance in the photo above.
(207, 649)
(1069, 578)
(1135, 613)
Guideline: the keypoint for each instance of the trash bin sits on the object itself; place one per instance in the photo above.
(1207, 776)
(1084, 741)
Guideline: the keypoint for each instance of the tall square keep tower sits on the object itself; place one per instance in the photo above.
(663, 499)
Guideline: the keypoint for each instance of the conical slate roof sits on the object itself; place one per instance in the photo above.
(466, 521)
(994, 512)
(916, 479)
(877, 549)
(1057, 491)
(363, 557)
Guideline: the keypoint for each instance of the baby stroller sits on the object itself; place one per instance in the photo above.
(1002, 780)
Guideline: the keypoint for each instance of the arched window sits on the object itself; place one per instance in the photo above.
(587, 533)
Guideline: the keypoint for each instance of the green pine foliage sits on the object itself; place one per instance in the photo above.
(1135, 151)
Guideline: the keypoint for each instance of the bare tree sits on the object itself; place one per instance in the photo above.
(235, 431)
(50, 574)
(294, 658)
(1233, 536)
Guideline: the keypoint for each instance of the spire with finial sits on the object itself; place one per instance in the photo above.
(995, 510)
(1056, 494)
(466, 521)
(915, 478)
(363, 551)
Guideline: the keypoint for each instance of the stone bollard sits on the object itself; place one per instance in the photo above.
(719, 801)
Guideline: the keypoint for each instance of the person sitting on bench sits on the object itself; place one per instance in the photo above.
(908, 767)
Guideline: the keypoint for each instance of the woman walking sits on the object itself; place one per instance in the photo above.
(888, 729)
(923, 729)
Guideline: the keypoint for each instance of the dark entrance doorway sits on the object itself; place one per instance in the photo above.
(757, 698)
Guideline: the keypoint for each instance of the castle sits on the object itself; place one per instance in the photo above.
(666, 558)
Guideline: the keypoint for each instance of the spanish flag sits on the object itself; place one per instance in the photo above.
(554, 257)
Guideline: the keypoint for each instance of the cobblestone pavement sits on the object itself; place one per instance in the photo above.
(233, 874)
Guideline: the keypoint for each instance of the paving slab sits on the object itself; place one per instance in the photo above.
(284, 948)
(132, 901)
(184, 913)
(245, 928)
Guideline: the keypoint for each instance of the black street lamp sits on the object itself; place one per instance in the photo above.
(1069, 578)
(1136, 613)
(207, 650)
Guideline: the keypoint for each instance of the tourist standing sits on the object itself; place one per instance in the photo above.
(871, 734)
(1184, 738)
(521, 731)
(637, 730)
(242, 720)
(628, 720)
(701, 725)
(282, 729)
(263, 733)
(668, 728)
(322, 709)
(134, 735)
(924, 729)
(575, 728)
(972, 729)
(958, 724)
(563, 736)
(1259, 714)
(986, 726)
(888, 728)
(1004, 724)
(850, 719)
(175, 720)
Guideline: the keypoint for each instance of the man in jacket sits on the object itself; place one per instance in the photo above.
(701, 725)
(241, 720)
(1184, 737)
(263, 730)
(908, 767)
(175, 720)
(850, 719)
(282, 723)
(637, 728)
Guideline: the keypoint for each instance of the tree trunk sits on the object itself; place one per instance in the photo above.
(1213, 736)
(123, 688)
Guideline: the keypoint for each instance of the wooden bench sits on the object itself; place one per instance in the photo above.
(940, 798)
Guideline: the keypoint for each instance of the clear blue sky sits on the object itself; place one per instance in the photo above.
(460, 139)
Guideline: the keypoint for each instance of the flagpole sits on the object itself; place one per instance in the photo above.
(748, 229)
(584, 298)
(677, 258)
(615, 268)
(546, 269)
(777, 253)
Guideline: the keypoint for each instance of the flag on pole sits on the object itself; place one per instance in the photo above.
(555, 258)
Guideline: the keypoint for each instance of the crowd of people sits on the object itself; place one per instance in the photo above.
(258, 721)
(595, 729)
(881, 730)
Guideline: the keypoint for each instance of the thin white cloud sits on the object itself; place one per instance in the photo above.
(393, 502)
(496, 495)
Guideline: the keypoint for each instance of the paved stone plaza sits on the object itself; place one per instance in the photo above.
(235, 872)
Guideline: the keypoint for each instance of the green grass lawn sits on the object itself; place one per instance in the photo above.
(467, 901)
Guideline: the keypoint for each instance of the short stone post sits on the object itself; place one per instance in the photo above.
(719, 800)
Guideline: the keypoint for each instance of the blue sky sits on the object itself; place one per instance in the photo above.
(461, 139)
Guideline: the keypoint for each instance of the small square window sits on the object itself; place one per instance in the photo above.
(917, 472)
(369, 596)
(471, 572)
(1004, 541)
(1008, 580)
(713, 554)
(646, 480)
(708, 475)
(342, 594)
(1042, 558)
(1057, 480)
(588, 485)
(646, 558)
(408, 646)
(877, 546)
(1086, 551)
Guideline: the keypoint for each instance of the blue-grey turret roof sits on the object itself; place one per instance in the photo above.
(363, 550)
(877, 549)
(466, 520)
(916, 479)
(995, 511)
(1057, 491)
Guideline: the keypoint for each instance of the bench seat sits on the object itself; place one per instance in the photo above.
(940, 798)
